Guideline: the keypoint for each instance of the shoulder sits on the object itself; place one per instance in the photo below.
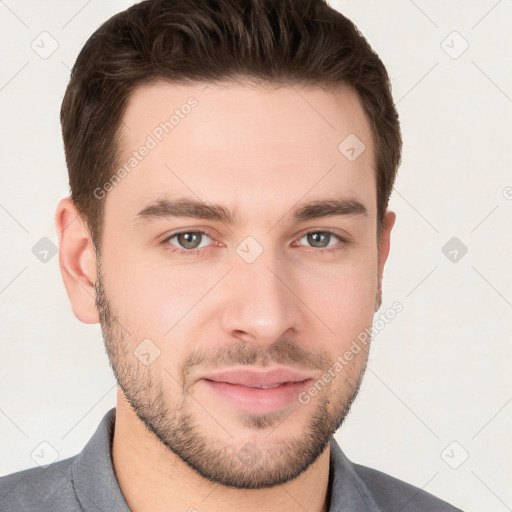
(392, 494)
(39, 489)
(85, 481)
(372, 490)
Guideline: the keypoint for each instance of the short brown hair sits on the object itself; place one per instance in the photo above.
(302, 42)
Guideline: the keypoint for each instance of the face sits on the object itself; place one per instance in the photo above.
(220, 318)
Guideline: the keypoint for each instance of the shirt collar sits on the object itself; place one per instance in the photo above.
(94, 480)
(348, 493)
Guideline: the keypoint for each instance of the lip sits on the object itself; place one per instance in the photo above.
(238, 388)
(254, 378)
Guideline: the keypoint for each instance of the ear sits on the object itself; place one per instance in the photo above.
(383, 252)
(77, 261)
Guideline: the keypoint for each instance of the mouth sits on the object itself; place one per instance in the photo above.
(266, 387)
(257, 392)
(258, 379)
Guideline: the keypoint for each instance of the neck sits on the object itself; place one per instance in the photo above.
(152, 477)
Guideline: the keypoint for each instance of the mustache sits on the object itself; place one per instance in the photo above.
(284, 352)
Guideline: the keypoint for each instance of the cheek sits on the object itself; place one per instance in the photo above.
(149, 297)
(343, 296)
(344, 299)
(166, 298)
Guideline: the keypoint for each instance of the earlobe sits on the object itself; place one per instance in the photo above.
(77, 261)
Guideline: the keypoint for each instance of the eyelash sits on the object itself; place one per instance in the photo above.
(193, 252)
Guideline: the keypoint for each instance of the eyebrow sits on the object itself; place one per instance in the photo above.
(182, 207)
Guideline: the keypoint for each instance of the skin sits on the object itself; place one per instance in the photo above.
(263, 151)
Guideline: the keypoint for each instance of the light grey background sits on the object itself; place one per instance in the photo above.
(438, 385)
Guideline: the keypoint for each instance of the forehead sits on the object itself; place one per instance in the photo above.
(245, 146)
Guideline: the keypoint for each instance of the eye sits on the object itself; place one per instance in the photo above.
(189, 242)
(322, 239)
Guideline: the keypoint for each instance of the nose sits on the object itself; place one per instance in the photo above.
(260, 304)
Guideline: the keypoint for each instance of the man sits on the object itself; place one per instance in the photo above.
(230, 166)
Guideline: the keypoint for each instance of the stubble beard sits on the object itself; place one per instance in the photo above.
(236, 464)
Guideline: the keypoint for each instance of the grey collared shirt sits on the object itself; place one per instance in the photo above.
(87, 483)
